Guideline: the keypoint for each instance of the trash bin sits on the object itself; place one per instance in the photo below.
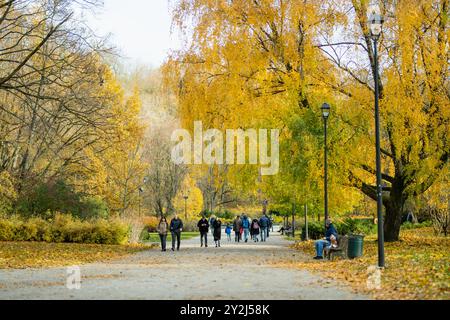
(355, 246)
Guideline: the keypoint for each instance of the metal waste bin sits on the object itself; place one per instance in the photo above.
(355, 246)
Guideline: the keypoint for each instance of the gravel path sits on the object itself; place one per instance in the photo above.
(234, 271)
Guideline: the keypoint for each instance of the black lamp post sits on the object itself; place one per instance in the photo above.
(375, 24)
(141, 191)
(185, 206)
(325, 114)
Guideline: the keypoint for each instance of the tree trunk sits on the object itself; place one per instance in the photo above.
(394, 210)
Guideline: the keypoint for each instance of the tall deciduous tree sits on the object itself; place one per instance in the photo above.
(265, 63)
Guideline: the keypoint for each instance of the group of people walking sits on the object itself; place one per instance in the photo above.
(243, 227)
(215, 224)
(175, 227)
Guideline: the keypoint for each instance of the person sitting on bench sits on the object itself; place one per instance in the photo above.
(325, 242)
(334, 244)
(284, 230)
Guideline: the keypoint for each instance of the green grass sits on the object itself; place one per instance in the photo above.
(154, 236)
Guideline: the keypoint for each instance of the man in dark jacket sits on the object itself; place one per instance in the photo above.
(264, 224)
(176, 226)
(203, 227)
(326, 242)
(237, 224)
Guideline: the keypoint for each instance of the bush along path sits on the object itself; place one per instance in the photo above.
(233, 271)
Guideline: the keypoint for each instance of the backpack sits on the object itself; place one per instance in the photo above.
(255, 226)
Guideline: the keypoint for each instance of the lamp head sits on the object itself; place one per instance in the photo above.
(325, 110)
(375, 21)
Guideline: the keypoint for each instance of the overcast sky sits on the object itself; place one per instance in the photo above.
(140, 29)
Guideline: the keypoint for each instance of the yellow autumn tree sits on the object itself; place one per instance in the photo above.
(253, 64)
(115, 168)
(194, 201)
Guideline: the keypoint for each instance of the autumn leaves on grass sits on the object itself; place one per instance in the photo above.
(19, 255)
(417, 266)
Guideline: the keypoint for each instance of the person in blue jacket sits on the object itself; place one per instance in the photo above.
(325, 242)
(264, 224)
(228, 232)
(245, 226)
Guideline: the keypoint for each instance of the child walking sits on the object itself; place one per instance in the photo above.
(255, 228)
(228, 232)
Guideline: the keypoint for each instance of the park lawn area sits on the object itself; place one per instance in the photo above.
(417, 266)
(19, 255)
(154, 236)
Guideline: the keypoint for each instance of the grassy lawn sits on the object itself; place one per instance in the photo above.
(43, 254)
(154, 236)
(417, 266)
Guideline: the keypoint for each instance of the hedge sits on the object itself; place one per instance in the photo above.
(316, 230)
(63, 228)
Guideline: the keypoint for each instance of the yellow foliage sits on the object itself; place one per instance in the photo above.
(417, 267)
(194, 202)
(116, 169)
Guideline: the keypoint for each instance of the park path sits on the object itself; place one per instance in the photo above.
(234, 271)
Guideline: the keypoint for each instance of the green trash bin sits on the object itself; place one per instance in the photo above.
(355, 246)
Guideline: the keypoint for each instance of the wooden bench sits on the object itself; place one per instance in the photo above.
(340, 250)
(286, 232)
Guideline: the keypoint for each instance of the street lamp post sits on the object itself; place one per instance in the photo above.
(293, 219)
(306, 222)
(375, 24)
(185, 206)
(325, 114)
(141, 191)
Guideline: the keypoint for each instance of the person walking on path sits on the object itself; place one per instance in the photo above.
(264, 224)
(217, 231)
(162, 229)
(270, 226)
(176, 226)
(245, 226)
(228, 232)
(211, 223)
(325, 242)
(255, 229)
(203, 227)
(252, 234)
(237, 224)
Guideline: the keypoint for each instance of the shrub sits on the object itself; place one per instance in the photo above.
(25, 231)
(43, 229)
(93, 207)
(6, 230)
(64, 228)
(151, 223)
(440, 220)
(58, 196)
(409, 225)
(316, 230)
